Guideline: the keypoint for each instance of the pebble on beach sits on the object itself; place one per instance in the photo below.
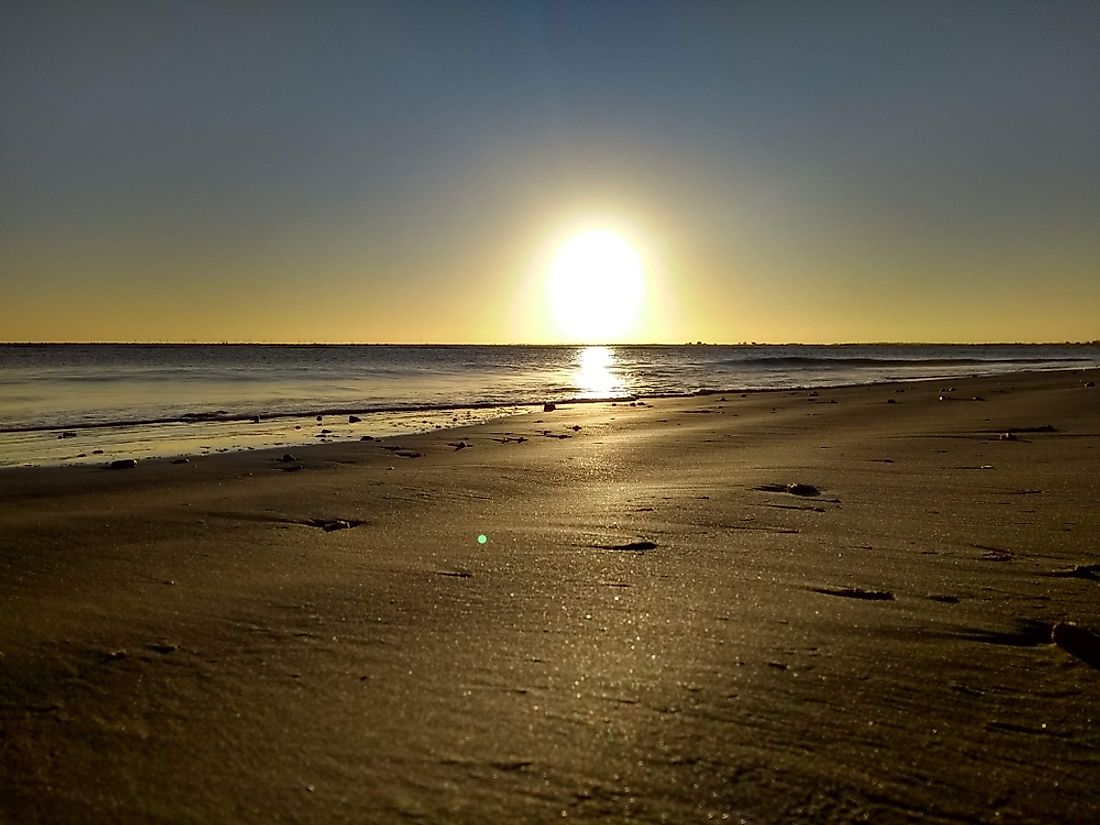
(798, 489)
(1078, 641)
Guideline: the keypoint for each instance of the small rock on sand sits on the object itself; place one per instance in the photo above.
(354, 419)
(181, 460)
(802, 490)
(629, 547)
(122, 464)
(330, 525)
(67, 434)
(1081, 571)
(549, 406)
(1079, 641)
(795, 489)
(287, 457)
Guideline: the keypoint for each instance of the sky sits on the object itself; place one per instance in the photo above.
(410, 172)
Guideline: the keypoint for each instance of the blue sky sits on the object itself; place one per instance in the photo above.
(400, 171)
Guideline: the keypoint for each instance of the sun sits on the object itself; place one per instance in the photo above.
(596, 287)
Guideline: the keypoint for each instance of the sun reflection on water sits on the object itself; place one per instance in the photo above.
(596, 376)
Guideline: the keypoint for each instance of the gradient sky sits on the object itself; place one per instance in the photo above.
(322, 171)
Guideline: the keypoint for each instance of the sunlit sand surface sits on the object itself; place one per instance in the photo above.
(656, 628)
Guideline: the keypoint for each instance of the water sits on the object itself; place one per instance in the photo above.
(159, 400)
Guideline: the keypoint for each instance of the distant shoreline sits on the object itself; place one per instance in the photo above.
(425, 344)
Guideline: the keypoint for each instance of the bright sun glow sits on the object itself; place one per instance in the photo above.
(596, 287)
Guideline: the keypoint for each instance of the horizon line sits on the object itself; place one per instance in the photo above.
(237, 343)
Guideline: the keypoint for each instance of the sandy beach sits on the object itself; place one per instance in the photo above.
(656, 628)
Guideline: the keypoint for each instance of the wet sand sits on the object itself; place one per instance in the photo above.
(654, 630)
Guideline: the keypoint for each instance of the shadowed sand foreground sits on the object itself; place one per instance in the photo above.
(656, 629)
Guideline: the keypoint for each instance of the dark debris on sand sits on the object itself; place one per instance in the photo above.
(330, 525)
(856, 593)
(795, 489)
(628, 547)
(1080, 571)
(1077, 641)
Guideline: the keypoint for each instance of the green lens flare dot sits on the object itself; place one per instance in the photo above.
(481, 539)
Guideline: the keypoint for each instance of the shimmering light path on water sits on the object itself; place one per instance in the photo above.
(146, 400)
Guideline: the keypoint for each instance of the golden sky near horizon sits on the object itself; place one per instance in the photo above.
(535, 173)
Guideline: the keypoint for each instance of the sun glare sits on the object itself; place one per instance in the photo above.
(596, 287)
(595, 375)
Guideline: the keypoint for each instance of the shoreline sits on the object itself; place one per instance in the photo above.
(142, 439)
(655, 627)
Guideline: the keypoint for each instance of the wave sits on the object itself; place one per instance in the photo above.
(831, 361)
(231, 417)
(133, 387)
